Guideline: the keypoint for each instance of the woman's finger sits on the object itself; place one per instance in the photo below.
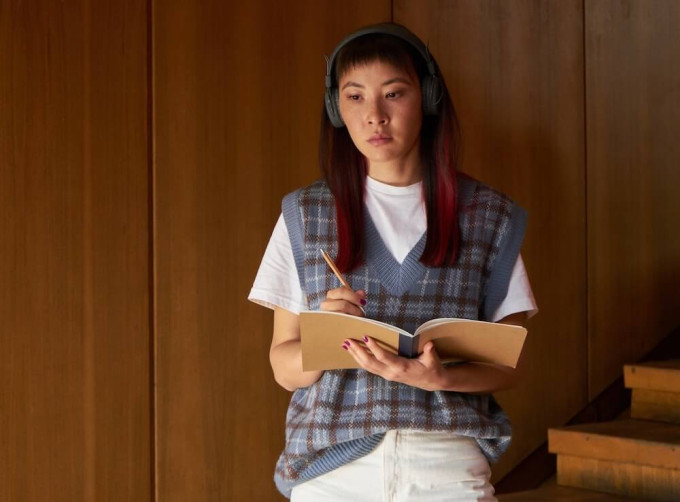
(363, 356)
(356, 297)
(351, 298)
(429, 357)
(381, 354)
(341, 306)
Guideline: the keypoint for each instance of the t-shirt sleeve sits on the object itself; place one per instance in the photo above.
(277, 283)
(520, 297)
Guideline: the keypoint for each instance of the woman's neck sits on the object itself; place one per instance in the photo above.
(396, 173)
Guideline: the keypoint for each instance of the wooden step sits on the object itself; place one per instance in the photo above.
(551, 491)
(655, 390)
(634, 458)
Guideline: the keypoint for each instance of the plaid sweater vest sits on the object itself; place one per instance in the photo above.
(345, 414)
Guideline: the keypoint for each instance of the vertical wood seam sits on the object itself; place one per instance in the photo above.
(89, 369)
(151, 215)
(589, 386)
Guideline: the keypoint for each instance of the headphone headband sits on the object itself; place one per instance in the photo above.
(394, 30)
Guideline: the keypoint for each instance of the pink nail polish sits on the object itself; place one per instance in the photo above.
(345, 347)
(362, 301)
(366, 339)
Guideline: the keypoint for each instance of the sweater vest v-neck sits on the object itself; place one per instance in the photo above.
(344, 415)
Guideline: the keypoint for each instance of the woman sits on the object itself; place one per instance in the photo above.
(417, 240)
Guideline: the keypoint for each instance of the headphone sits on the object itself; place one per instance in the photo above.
(430, 85)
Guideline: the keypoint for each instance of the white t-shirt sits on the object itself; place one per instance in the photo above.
(399, 216)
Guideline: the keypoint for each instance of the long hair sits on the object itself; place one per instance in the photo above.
(344, 167)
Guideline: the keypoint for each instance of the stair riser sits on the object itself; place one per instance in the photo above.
(655, 405)
(631, 480)
(656, 376)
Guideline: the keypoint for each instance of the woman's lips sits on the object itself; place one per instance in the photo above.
(379, 140)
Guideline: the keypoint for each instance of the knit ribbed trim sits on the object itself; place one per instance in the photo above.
(339, 454)
(291, 216)
(396, 277)
(497, 286)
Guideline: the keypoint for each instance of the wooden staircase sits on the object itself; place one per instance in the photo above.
(636, 458)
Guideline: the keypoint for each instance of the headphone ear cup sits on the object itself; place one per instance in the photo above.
(332, 100)
(432, 95)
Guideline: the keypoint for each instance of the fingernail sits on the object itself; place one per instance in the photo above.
(362, 301)
(345, 347)
(366, 339)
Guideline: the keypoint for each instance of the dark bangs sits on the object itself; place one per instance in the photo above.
(377, 47)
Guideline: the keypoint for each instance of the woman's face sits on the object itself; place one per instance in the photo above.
(381, 107)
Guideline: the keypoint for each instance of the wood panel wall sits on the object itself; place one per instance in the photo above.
(633, 111)
(238, 90)
(74, 254)
(144, 150)
(515, 72)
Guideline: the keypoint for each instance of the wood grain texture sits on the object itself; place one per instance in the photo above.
(633, 108)
(515, 72)
(238, 90)
(631, 480)
(74, 253)
(655, 405)
(632, 441)
(552, 492)
(662, 375)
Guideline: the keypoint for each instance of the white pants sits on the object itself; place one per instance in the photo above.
(408, 466)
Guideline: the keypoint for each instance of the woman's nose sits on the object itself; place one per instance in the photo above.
(376, 115)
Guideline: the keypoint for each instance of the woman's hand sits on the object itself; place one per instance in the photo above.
(345, 300)
(425, 372)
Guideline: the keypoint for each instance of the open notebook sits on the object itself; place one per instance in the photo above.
(322, 334)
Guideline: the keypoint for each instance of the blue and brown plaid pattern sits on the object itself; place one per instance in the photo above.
(345, 414)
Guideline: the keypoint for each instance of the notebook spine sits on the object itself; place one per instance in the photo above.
(408, 346)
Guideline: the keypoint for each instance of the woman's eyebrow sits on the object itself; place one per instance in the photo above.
(352, 84)
(387, 82)
(397, 80)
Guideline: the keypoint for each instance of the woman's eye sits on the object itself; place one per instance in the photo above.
(354, 97)
(391, 94)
